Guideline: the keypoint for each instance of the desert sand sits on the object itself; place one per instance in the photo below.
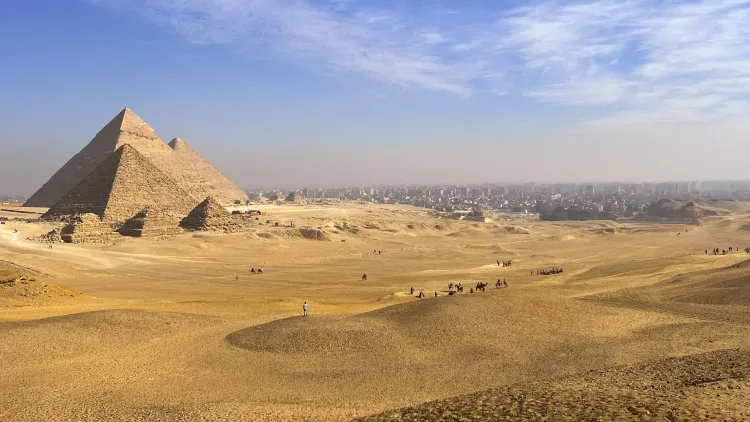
(179, 329)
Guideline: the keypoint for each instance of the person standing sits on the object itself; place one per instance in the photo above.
(304, 309)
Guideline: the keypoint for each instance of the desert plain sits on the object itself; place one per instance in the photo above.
(642, 324)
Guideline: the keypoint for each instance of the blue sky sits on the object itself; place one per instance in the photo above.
(355, 91)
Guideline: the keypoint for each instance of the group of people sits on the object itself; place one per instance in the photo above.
(504, 263)
(421, 292)
(716, 251)
(459, 288)
(553, 271)
(481, 286)
(254, 271)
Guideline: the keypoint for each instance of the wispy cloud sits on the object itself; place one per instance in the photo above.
(643, 59)
(664, 60)
(382, 44)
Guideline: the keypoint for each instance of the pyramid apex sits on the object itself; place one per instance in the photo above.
(129, 116)
(127, 121)
(178, 143)
(126, 148)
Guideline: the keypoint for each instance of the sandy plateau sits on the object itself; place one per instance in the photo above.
(641, 325)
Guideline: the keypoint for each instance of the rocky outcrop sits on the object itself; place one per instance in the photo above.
(53, 236)
(668, 208)
(314, 234)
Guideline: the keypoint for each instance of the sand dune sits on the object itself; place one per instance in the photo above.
(673, 389)
(179, 329)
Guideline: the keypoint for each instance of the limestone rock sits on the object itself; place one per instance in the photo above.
(314, 234)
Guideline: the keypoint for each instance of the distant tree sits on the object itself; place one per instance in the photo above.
(606, 215)
(578, 215)
(558, 214)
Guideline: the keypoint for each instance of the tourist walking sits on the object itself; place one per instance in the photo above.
(304, 309)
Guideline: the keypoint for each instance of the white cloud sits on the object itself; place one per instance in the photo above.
(648, 60)
(660, 60)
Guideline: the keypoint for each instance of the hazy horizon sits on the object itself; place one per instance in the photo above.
(317, 93)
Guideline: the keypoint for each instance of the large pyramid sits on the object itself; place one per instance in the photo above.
(128, 128)
(120, 186)
(214, 183)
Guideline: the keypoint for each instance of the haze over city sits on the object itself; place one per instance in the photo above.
(331, 92)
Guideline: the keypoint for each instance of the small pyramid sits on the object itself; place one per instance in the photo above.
(207, 215)
(119, 187)
(179, 145)
(294, 197)
(151, 222)
(277, 196)
(210, 181)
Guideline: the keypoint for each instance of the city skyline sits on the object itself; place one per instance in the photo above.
(518, 184)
